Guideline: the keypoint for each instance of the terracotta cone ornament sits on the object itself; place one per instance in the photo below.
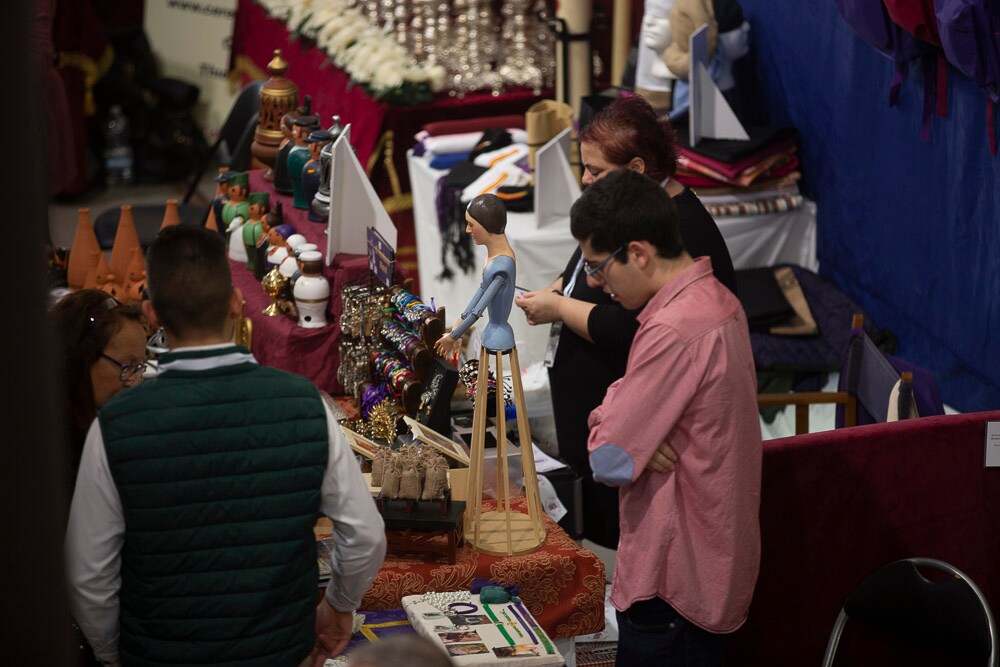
(278, 96)
(136, 279)
(105, 277)
(81, 253)
(170, 217)
(90, 282)
(125, 239)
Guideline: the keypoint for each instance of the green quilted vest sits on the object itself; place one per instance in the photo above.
(219, 473)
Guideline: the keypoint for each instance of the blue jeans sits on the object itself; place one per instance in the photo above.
(652, 634)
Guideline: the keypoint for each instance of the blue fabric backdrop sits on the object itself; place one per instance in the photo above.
(911, 230)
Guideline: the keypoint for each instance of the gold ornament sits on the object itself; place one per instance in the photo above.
(382, 419)
(273, 283)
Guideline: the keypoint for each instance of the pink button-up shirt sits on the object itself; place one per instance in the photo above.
(690, 537)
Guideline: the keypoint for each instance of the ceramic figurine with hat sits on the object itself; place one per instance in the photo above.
(319, 209)
(311, 171)
(235, 213)
(302, 127)
(254, 232)
(282, 179)
(221, 197)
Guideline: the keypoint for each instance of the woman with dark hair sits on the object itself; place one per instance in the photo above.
(104, 351)
(592, 333)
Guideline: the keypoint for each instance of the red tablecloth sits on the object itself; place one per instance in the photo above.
(279, 341)
(255, 36)
(562, 584)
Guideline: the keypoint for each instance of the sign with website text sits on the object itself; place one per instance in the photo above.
(191, 40)
(381, 257)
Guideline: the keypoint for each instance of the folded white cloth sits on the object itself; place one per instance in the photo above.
(461, 143)
(510, 154)
(503, 174)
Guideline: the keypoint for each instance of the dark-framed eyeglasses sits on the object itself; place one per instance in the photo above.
(595, 270)
(129, 372)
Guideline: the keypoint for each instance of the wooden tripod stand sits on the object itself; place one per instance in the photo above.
(503, 531)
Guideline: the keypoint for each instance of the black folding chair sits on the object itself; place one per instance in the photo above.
(147, 218)
(237, 132)
(945, 615)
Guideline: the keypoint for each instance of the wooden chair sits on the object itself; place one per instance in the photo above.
(869, 379)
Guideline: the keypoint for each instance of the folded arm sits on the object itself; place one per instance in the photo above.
(640, 410)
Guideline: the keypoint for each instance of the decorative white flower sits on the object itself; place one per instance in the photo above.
(370, 55)
(387, 75)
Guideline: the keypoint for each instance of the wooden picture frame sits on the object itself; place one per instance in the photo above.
(360, 444)
(435, 440)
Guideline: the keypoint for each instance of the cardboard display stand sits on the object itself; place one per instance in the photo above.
(711, 116)
(354, 204)
(556, 187)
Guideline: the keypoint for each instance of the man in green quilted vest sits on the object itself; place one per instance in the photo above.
(190, 539)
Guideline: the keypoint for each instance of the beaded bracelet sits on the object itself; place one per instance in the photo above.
(463, 607)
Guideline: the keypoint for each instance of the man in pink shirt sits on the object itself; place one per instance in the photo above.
(690, 538)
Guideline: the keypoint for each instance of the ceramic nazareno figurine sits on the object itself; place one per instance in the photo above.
(299, 155)
(254, 232)
(282, 179)
(311, 171)
(236, 212)
(319, 209)
(214, 221)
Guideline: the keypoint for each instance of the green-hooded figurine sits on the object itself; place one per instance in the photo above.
(254, 231)
(236, 212)
(298, 156)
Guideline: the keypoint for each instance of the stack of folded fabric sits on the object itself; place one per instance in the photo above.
(742, 177)
(482, 155)
(446, 143)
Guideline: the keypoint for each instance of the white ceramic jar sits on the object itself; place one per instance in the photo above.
(311, 291)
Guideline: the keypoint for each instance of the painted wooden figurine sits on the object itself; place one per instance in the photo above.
(311, 171)
(214, 221)
(302, 127)
(255, 229)
(486, 219)
(282, 179)
(236, 212)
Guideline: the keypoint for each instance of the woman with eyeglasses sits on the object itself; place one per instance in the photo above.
(591, 333)
(104, 351)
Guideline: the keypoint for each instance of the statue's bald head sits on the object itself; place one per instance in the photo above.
(488, 210)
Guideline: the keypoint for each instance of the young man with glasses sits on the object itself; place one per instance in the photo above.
(690, 539)
(190, 537)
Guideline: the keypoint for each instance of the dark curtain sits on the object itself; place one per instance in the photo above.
(911, 230)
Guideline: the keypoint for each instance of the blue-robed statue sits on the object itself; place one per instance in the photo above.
(486, 220)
